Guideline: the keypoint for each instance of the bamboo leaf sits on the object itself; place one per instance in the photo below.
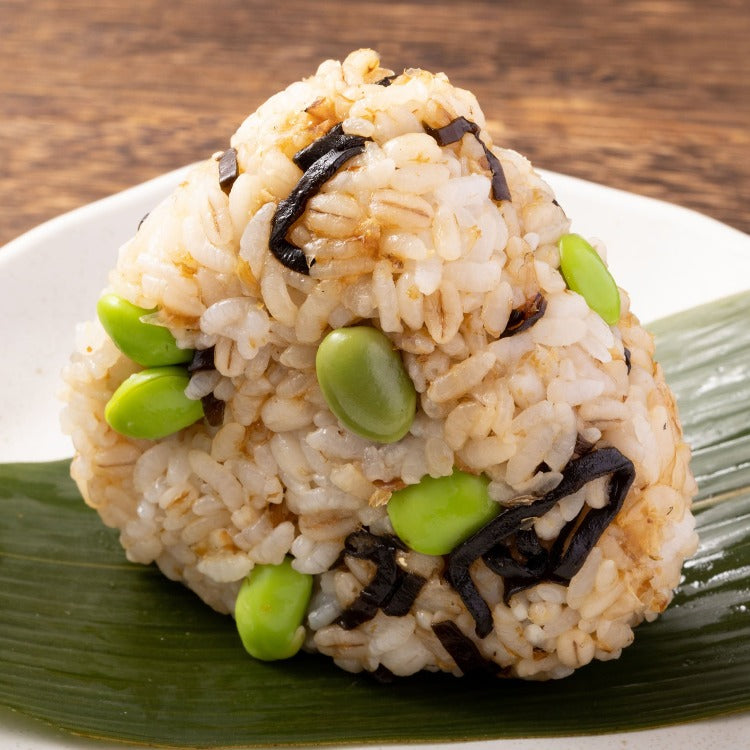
(103, 648)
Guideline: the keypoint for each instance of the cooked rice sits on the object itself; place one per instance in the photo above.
(407, 238)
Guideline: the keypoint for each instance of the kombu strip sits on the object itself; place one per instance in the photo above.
(526, 562)
(463, 650)
(228, 169)
(500, 537)
(403, 596)
(582, 446)
(522, 318)
(454, 131)
(391, 589)
(381, 551)
(572, 553)
(387, 81)
(320, 161)
(626, 353)
(213, 408)
(334, 140)
(203, 359)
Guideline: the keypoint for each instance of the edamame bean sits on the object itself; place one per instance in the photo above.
(152, 404)
(584, 272)
(365, 383)
(270, 608)
(435, 515)
(145, 343)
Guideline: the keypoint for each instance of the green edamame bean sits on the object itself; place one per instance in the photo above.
(145, 343)
(435, 515)
(365, 383)
(270, 608)
(152, 404)
(584, 272)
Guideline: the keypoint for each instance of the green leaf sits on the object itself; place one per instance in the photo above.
(103, 648)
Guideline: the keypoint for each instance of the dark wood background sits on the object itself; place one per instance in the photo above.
(651, 96)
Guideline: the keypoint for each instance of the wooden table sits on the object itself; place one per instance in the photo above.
(652, 96)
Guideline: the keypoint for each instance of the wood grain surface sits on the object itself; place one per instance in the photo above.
(651, 96)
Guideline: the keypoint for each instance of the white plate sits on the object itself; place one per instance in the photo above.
(667, 257)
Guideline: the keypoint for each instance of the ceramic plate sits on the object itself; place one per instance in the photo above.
(667, 257)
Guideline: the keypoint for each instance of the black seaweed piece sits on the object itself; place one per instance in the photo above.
(500, 560)
(577, 473)
(529, 564)
(463, 650)
(626, 352)
(560, 544)
(229, 170)
(582, 446)
(213, 410)
(387, 81)
(359, 611)
(388, 539)
(558, 205)
(393, 541)
(334, 140)
(500, 189)
(532, 549)
(381, 551)
(292, 207)
(406, 591)
(588, 532)
(542, 467)
(363, 543)
(522, 318)
(203, 359)
(454, 131)
(528, 544)
(458, 576)
(140, 223)
(513, 586)
(355, 614)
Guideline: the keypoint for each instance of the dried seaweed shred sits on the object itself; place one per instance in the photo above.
(463, 650)
(526, 561)
(320, 162)
(582, 446)
(522, 318)
(498, 540)
(391, 589)
(626, 354)
(521, 566)
(387, 81)
(454, 131)
(203, 359)
(403, 596)
(334, 140)
(366, 546)
(213, 410)
(229, 170)
(577, 546)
